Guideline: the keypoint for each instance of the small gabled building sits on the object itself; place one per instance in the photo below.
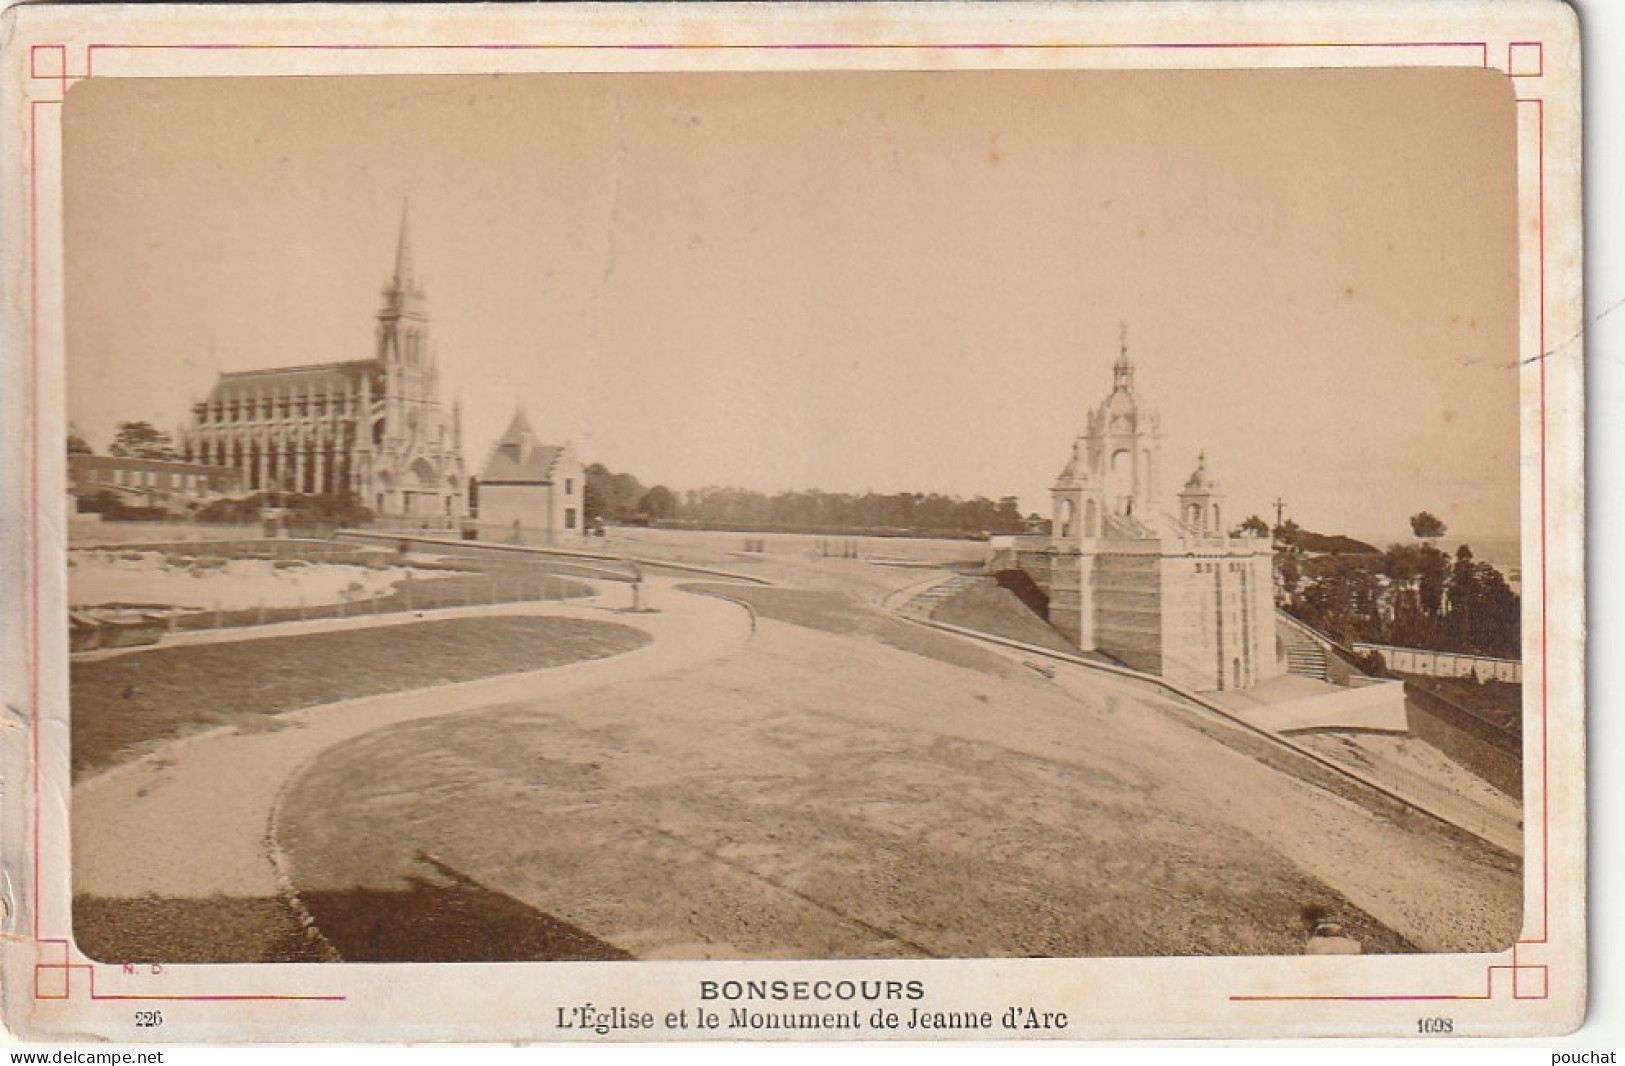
(530, 492)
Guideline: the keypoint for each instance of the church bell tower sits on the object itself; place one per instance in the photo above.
(1123, 446)
(1199, 502)
(403, 320)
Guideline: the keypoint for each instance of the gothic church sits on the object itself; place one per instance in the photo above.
(373, 428)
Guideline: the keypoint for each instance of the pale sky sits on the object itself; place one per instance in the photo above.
(856, 281)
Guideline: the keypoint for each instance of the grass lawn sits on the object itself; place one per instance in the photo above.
(835, 612)
(124, 705)
(989, 607)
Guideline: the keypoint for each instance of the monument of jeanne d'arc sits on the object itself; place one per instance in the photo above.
(1169, 593)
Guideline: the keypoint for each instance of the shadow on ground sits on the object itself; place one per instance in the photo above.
(152, 929)
(440, 916)
(444, 916)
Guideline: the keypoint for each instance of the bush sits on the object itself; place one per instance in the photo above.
(112, 507)
(321, 510)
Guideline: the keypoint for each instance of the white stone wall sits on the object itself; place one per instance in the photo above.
(1445, 664)
(1128, 602)
(518, 514)
(1218, 618)
(1190, 652)
(568, 504)
(540, 514)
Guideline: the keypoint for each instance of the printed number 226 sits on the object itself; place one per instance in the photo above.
(149, 1019)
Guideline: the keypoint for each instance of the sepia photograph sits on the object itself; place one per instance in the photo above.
(916, 530)
(793, 516)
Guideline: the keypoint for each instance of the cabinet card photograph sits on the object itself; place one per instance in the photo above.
(881, 523)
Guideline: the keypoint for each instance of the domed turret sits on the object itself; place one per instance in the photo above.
(1124, 442)
(1199, 480)
(1199, 502)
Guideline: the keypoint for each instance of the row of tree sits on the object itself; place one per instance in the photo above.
(1412, 595)
(622, 498)
(1293, 537)
(890, 512)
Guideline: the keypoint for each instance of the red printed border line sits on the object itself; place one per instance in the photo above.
(54, 981)
(1525, 59)
(1527, 981)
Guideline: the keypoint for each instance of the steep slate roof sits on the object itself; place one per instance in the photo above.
(315, 377)
(517, 457)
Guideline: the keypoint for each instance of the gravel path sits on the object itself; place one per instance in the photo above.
(834, 796)
(190, 821)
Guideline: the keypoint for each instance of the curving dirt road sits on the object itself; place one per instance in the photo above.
(191, 821)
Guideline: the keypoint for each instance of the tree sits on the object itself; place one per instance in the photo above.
(77, 444)
(141, 440)
(1413, 595)
(592, 494)
(1009, 518)
(1416, 576)
(1254, 526)
(610, 496)
(658, 502)
(1289, 573)
(1342, 597)
(1427, 525)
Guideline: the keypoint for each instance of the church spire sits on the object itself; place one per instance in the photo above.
(403, 280)
(403, 318)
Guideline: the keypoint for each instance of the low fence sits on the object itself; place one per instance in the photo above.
(114, 626)
(542, 555)
(421, 523)
(250, 546)
(458, 578)
(819, 529)
(517, 535)
(1427, 663)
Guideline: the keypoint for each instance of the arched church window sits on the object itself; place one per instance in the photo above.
(1068, 516)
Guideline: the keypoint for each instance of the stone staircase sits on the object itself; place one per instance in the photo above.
(924, 604)
(1304, 655)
